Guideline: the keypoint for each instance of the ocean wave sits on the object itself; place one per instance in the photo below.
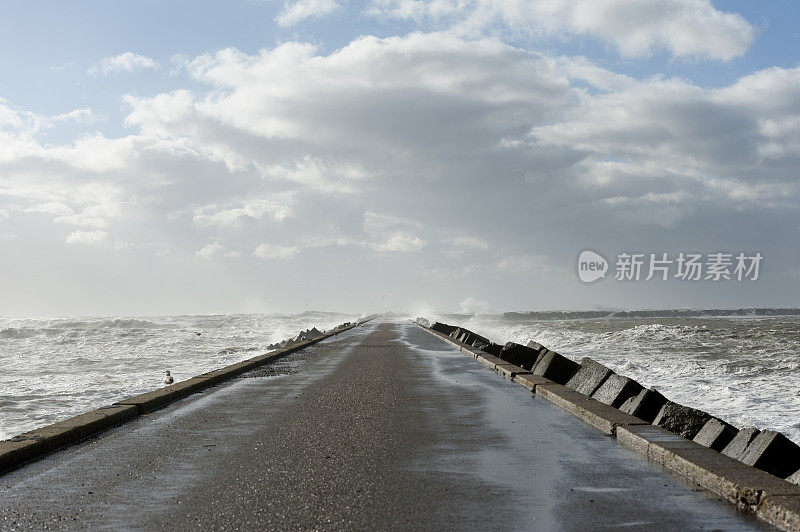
(12, 332)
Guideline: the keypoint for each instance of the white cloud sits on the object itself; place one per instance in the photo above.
(254, 209)
(89, 238)
(126, 62)
(62, 68)
(468, 242)
(79, 116)
(8, 116)
(392, 233)
(272, 252)
(692, 144)
(692, 28)
(522, 263)
(214, 249)
(400, 242)
(320, 175)
(299, 10)
(423, 145)
(376, 223)
(20, 120)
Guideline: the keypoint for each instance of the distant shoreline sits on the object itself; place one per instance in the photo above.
(663, 313)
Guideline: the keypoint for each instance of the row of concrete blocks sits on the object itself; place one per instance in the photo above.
(39, 442)
(640, 417)
(767, 450)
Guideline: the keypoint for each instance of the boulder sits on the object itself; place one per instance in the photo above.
(774, 453)
(683, 420)
(738, 445)
(616, 390)
(443, 328)
(589, 377)
(555, 367)
(645, 405)
(310, 334)
(716, 434)
(519, 355)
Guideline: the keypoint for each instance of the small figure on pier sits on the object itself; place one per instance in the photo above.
(168, 379)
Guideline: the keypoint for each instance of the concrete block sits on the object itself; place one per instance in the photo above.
(645, 405)
(555, 367)
(681, 419)
(490, 361)
(738, 445)
(794, 478)
(720, 474)
(536, 346)
(530, 381)
(470, 351)
(509, 370)
(479, 343)
(783, 511)
(601, 416)
(733, 480)
(520, 355)
(39, 442)
(774, 453)
(443, 328)
(156, 399)
(589, 377)
(15, 452)
(80, 427)
(473, 338)
(716, 434)
(457, 333)
(616, 390)
(493, 349)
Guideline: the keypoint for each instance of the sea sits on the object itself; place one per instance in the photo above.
(55, 368)
(739, 365)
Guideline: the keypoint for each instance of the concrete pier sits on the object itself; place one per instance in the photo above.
(383, 426)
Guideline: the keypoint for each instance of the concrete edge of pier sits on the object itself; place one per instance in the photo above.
(771, 498)
(37, 443)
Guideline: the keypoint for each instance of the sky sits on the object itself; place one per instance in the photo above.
(189, 156)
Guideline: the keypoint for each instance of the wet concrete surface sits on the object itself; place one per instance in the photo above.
(382, 427)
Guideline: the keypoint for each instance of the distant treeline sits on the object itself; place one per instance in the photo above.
(667, 313)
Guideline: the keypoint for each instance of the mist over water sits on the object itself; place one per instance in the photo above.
(741, 367)
(53, 369)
